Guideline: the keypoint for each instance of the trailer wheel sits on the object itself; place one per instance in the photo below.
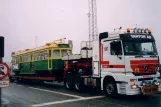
(69, 83)
(110, 88)
(78, 84)
(11, 79)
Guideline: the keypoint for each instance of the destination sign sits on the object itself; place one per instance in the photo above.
(141, 36)
(63, 45)
(137, 37)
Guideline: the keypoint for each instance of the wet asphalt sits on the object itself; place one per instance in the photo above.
(55, 95)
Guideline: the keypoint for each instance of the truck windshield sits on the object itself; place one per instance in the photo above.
(139, 48)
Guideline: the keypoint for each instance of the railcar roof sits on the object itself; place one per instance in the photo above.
(46, 46)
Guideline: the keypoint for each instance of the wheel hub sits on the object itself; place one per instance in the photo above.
(77, 86)
(67, 84)
(109, 88)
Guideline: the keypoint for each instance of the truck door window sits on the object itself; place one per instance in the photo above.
(116, 48)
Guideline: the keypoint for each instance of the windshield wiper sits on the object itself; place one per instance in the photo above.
(153, 56)
(139, 56)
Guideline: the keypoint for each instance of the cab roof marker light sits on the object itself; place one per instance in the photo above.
(149, 31)
(128, 30)
(146, 30)
(142, 30)
(139, 30)
(134, 30)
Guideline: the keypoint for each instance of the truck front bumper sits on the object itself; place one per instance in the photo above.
(138, 91)
(126, 86)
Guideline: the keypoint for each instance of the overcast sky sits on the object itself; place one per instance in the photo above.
(22, 20)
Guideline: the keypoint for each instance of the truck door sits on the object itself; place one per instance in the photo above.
(113, 59)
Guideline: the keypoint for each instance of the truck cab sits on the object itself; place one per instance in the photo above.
(128, 62)
(120, 62)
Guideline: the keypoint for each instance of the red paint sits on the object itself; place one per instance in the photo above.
(36, 78)
(119, 66)
(66, 65)
(140, 64)
(113, 66)
(4, 64)
(105, 62)
(146, 76)
(80, 64)
(144, 61)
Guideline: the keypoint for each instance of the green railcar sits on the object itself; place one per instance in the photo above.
(44, 61)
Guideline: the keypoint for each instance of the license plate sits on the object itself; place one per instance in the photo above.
(149, 89)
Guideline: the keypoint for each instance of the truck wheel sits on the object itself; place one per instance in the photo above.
(69, 83)
(110, 88)
(78, 84)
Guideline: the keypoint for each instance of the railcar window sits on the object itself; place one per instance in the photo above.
(17, 60)
(56, 53)
(49, 53)
(20, 58)
(34, 57)
(46, 56)
(37, 57)
(64, 52)
(41, 56)
(26, 58)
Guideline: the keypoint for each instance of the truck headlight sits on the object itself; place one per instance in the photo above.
(155, 82)
(143, 83)
(134, 86)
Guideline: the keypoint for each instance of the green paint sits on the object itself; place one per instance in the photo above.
(54, 64)
(41, 65)
(50, 63)
(26, 67)
(58, 64)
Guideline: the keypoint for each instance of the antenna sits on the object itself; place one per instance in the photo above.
(118, 28)
(92, 15)
(60, 40)
(135, 25)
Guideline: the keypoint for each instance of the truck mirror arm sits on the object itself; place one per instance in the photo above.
(120, 57)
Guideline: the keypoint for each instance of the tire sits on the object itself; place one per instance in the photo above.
(110, 88)
(78, 84)
(68, 83)
(11, 80)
